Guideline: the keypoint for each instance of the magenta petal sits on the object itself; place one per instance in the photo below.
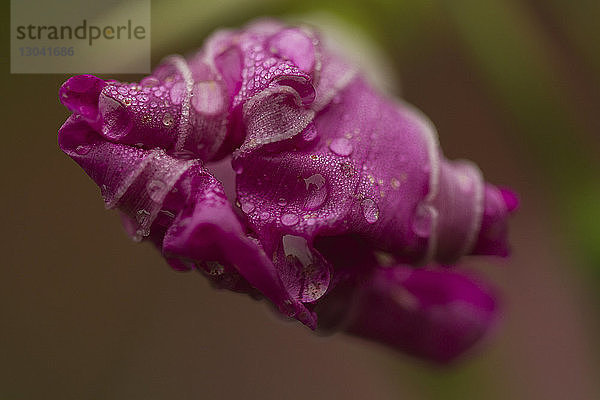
(230, 63)
(134, 180)
(511, 199)
(434, 314)
(295, 45)
(493, 236)
(305, 273)
(459, 206)
(180, 206)
(207, 229)
(177, 109)
(80, 95)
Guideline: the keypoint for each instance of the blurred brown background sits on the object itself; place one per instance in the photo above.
(512, 85)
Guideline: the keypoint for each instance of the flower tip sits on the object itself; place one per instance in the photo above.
(435, 315)
(511, 199)
(499, 204)
(80, 95)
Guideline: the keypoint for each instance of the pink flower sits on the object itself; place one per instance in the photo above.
(328, 175)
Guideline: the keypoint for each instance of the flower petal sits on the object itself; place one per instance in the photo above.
(180, 207)
(434, 314)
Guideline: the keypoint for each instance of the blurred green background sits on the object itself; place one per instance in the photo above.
(513, 85)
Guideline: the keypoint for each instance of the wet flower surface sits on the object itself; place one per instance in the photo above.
(341, 206)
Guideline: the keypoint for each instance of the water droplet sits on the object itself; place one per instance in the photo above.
(282, 202)
(341, 147)
(265, 216)
(127, 101)
(82, 149)
(289, 219)
(370, 210)
(317, 191)
(395, 182)
(156, 190)
(247, 208)
(317, 179)
(423, 220)
(239, 168)
(167, 119)
(308, 274)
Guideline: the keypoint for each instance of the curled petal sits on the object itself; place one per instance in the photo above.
(434, 314)
(374, 168)
(179, 206)
(493, 235)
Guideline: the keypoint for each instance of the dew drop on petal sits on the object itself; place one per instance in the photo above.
(308, 274)
(247, 208)
(317, 191)
(316, 179)
(289, 219)
(167, 119)
(341, 147)
(370, 210)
